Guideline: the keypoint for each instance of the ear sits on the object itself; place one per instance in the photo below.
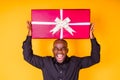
(67, 50)
(52, 49)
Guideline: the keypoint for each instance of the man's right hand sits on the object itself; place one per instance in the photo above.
(29, 26)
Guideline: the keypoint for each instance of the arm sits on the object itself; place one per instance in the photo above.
(95, 52)
(28, 52)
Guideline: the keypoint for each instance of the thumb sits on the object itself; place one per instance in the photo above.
(29, 25)
(91, 27)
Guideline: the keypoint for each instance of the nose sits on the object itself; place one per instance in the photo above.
(59, 50)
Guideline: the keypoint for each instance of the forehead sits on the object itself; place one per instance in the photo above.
(60, 42)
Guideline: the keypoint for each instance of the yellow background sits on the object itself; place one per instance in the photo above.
(105, 14)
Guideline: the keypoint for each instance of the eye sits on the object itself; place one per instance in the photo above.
(63, 49)
(55, 49)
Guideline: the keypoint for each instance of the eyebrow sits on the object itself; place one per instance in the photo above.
(62, 47)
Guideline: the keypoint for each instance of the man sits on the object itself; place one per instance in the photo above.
(61, 67)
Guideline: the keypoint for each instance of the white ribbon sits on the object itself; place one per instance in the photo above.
(62, 24)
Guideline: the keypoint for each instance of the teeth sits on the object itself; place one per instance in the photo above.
(59, 55)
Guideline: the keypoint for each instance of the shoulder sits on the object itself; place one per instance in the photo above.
(47, 58)
(75, 58)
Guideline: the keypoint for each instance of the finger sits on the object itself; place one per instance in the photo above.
(92, 28)
(29, 24)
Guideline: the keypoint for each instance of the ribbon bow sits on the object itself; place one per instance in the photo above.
(62, 24)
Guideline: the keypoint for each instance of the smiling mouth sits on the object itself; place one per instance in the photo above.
(60, 57)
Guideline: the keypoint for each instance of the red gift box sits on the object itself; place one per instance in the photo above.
(63, 23)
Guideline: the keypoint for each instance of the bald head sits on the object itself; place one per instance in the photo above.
(60, 41)
(60, 50)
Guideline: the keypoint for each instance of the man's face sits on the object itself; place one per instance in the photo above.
(60, 50)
